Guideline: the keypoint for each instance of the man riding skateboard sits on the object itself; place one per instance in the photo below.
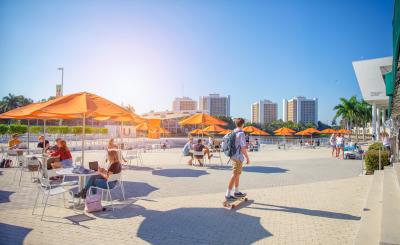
(237, 158)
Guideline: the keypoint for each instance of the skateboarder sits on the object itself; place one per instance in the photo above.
(237, 162)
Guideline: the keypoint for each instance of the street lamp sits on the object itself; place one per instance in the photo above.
(62, 79)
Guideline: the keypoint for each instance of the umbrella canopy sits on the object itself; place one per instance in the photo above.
(26, 112)
(250, 129)
(259, 132)
(225, 132)
(303, 133)
(328, 131)
(284, 131)
(202, 119)
(198, 131)
(213, 129)
(344, 131)
(160, 131)
(144, 126)
(312, 131)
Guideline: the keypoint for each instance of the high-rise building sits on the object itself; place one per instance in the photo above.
(215, 105)
(181, 104)
(264, 111)
(300, 110)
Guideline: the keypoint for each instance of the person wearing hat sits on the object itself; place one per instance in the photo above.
(14, 142)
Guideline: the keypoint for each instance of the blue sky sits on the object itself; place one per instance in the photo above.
(145, 53)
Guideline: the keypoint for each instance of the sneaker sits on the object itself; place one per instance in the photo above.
(209, 157)
(230, 198)
(239, 194)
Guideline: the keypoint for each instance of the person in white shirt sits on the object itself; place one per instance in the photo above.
(339, 146)
(332, 141)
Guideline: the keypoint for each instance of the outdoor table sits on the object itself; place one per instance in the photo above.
(82, 177)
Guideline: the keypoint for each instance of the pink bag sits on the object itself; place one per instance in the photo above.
(93, 202)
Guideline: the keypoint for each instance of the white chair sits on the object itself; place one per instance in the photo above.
(30, 165)
(119, 183)
(16, 154)
(49, 190)
(133, 154)
(78, 161)
(50, 173)
(199, 156)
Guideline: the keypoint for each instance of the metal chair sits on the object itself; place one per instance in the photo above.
(119, 183)
(30, 165)
(49, 190)
(133, 154)
(199, 156)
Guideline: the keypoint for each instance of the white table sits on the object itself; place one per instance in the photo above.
(82, 177)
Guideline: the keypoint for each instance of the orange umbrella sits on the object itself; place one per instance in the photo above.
(284, 131)
(344, 131)
(225, 132)
(161, 131)
(202, 119)
(328, 131)
(249, 129)
(144, 126)
(213, 129)
(259, 132)
(303, 133)
(198, 131)
(312, 131)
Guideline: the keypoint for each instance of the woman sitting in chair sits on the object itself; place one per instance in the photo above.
(100, 180)
(112, 146)
(63, 154)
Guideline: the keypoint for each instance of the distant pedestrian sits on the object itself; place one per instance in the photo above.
(339, 146)
(332, 141)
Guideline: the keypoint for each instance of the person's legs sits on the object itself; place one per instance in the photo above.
(207, 152)
(342, 148)
(190, 162)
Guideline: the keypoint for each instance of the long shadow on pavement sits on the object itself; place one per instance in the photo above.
(200, 226)
(5, 196)
(13, 234)
(137, 168)
(179, 172)
(310, 212)
(254, 169)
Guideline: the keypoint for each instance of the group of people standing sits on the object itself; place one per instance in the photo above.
(337, 142)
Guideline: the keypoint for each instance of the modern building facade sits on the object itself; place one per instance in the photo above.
(181, 104)
(372, 78)
(300, 110)
(264, 111)
(215, 105)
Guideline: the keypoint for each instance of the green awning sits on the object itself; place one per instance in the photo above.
(389, 84)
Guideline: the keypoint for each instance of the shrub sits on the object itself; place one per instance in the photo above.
(17, 129)
(89, 130)
(76, 130)
(3, 129)
(376, 146)
(35, 129)
(372, 159)
(52, 129)
(64, 129)
(104, 130)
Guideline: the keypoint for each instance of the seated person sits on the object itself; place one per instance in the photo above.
(64, 155)
(217, 145)
(200, 147)
(100, 180)
(186, 151)
(112, 145)
(54, 148)
(256, 145)
(14, 142)
(44, 144)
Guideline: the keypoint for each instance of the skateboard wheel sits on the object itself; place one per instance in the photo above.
(246, 199)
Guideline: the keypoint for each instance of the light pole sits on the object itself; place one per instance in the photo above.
(62, 79)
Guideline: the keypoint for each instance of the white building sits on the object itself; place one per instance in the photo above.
(264, 111)
(300, 110)
(371, 79)
(215, 105)
(181, 104)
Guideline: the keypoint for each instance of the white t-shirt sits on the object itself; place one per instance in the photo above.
(339, 140)
(332, 140)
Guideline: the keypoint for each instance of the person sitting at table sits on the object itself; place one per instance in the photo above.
(64, 155)
(200, 147)
(186, 151)
(100, 180)
(44, 144)
(112, 146)
(14, 142)
(55, 147)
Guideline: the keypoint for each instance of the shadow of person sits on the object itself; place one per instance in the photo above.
(179, 172)
(265, 170)
(5, 196)
(304, 211)
(200, 226)
(14, 234)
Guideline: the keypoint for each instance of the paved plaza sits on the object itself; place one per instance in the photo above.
(296, 196)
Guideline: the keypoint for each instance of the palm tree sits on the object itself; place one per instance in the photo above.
(365, 115)
(347, 110)
(12, 101)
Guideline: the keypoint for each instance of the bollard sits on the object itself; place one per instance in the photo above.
(380, 164)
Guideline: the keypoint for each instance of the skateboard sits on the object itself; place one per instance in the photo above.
(235, 203)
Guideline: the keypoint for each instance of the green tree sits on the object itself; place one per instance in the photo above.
(364, 111)
(35, 129)
(348, 111)
(12, 101)
(18, 129)
(3, 129)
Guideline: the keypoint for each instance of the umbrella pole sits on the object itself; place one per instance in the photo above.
(83, 138)
(29, 136)
(44, 134)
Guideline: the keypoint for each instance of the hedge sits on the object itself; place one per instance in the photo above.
(372, 159)
(22, 129)
(376, 146)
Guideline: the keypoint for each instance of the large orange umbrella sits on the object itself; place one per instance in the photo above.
(225, 132)
(202, 119)
(259, 132)
(284, 131)
(312, 131)
(344, 131)
(303, 133)
(213, 129)
(144, 126)
(198, 132)
(328, 131)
